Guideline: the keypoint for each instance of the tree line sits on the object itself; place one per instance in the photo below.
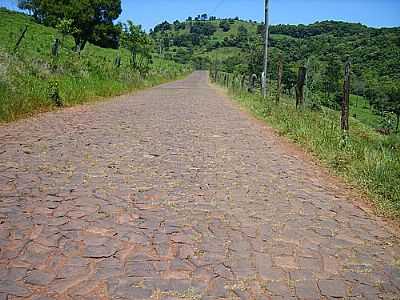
(323, 48)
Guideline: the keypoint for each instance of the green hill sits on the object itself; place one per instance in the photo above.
(371, 49)
(31, 79)
(237, 46)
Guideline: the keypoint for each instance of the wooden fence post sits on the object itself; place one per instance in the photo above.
(117, 61)
(21, 37)
(55, 48)
(346, 98)
(301, 78)
(242, 82)
(280, 74)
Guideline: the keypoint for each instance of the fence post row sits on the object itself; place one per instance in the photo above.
(299, 88)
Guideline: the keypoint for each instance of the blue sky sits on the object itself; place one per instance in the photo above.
(376, 13)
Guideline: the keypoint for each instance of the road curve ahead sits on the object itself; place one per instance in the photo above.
(174, 193)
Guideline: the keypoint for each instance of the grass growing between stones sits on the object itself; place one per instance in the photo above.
(366, 159)
(31, 78)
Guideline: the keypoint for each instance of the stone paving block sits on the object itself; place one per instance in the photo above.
(177, 191)
(39, 278)
(12, 288)
(333, 288)
(307, 290)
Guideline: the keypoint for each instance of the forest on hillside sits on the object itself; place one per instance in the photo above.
(237, 46)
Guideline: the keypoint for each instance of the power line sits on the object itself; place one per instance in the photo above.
(217, 6)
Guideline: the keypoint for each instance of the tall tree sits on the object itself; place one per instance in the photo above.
(139, 44)
(93, 19)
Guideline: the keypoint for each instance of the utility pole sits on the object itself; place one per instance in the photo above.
(266, 22)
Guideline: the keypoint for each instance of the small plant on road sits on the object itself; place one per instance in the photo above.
(54, 93)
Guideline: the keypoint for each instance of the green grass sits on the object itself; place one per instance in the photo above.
(362, 110)
(220, 34)
(366, 159)
(224, 52)
(27, 75)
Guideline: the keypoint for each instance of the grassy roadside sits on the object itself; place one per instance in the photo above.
(31, 78)
(366, 159)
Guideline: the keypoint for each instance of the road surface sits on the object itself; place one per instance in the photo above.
(174, 193)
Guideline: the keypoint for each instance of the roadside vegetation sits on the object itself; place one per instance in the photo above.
(48, 67)
(364, 157)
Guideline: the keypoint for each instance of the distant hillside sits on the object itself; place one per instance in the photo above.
(372, 50)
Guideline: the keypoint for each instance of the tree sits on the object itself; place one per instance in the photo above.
(254, 54)
(201, 28)
(93, 19)
(65, 27)
(178, 25)
(139, 44)
(330, 77)
(391, 103)
(243, 34)
(164, 26)
(289, 78)
(358, 86)
(313, 83)
(224, 25)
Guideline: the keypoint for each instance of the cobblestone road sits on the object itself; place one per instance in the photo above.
(173, 193)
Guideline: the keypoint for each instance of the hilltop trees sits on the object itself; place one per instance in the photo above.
(203, 28)
(92, 19)
(224, 25)
(164, 26)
